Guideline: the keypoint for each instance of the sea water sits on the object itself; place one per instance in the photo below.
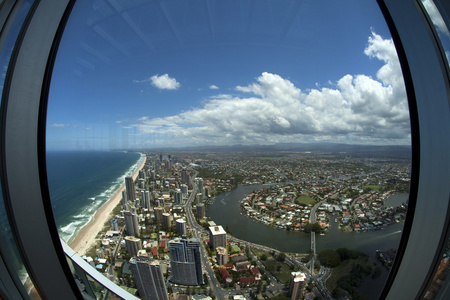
(81, 182)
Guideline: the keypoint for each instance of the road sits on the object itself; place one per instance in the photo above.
(197, 231)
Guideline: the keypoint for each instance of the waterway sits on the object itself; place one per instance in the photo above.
(225, 210)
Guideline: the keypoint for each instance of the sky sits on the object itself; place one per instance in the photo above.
(149, 74)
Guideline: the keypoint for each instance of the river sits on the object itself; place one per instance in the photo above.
(225, 210)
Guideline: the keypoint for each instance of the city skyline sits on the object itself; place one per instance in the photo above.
(264, 81)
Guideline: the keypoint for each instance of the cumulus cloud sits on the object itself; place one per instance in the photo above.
(213, 87)
(435, 17)
(164, 82)
(359, 109)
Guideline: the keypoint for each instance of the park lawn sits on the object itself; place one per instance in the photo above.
(372, 186)
(305, 200)
(272, 265)
(258, 253)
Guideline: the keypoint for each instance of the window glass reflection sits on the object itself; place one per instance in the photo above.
(8, 248)
(300, 104)
(439, 24)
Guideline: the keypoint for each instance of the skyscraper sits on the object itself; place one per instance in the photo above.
(200, 185)
(114, 224)
(181, 226)
(201, 211)
(166, 220)
(184, 189)
(124, 199)
(145, 199)
(149, 279)
(185, 261)
(131, 223)
(177, 196)
(158, 214)
(296, 285)
(129, 186)
(133, 245)
(199, 198)
(185, 178)
(217, 237)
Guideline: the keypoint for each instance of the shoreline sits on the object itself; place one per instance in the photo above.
(86, 237)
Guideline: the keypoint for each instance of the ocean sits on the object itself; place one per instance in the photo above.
(80, 182)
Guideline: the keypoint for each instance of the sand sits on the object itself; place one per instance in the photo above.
(86, 237)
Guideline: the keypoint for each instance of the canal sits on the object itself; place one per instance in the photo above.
(225, 210)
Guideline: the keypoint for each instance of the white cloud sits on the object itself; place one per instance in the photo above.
(60, 125)
(164, 82)
(359, 109)
(213, 87)
(435, 17)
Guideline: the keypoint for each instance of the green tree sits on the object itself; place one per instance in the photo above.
(329, 258)
(281, 257)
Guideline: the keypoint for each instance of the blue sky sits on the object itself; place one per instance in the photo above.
(145, 74)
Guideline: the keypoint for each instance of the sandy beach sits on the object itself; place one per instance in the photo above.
(86, 236)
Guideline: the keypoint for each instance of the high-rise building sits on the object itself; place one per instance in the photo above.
(131, 223)
(185, 178)
(145, 199)
(149, 279)
(177, 196)
(141, 174)
(167, 164)
(185, 261)
(217, 237)
(200, 185)
(222, 256)
(296, 285)
(184, 189)
(181, 226)
(201, 211)
(133, 245)
(141, 183)
(129, 187)
(114, 224)
(199, 198)
(166, 220)
(158, 214)
(124, 199)
(152, 175)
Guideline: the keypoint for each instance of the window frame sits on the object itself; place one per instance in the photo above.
(22, 148)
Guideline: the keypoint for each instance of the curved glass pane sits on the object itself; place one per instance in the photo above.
(8, 249)
(440, 282)
(439, 25)
(285, 124)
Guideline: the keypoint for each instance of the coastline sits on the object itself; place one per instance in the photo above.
(86, 237)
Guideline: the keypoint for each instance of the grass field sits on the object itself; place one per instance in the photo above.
(306, 200)
(372, 186)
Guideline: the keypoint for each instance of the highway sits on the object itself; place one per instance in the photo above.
(197, 231)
